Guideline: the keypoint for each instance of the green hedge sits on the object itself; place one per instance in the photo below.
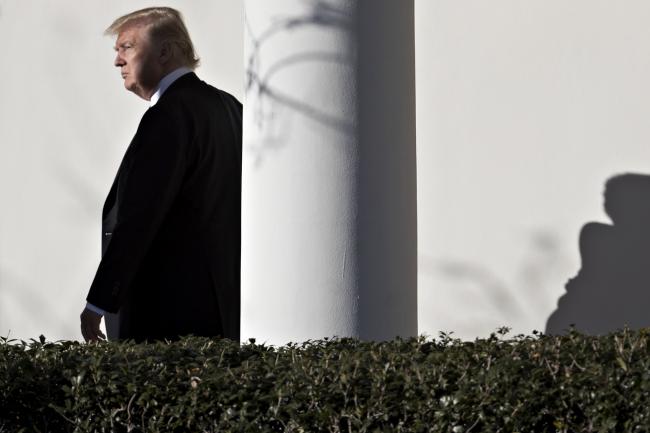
(537, 383)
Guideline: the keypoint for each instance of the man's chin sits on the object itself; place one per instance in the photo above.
(131, 87)
(138, 92)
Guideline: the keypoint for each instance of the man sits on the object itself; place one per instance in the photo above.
(171, 221)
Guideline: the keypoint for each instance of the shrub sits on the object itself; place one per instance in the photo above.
(538, 383)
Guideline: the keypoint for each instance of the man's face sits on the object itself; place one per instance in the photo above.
(138, 61)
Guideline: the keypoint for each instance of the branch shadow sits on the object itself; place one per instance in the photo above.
(486, 295)
(322, 14)
(496, 291)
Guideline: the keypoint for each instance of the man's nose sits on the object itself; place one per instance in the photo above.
(119, 61)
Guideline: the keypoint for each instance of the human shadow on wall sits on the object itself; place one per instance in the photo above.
(612, 288)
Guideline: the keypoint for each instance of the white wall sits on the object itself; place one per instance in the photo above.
(65, 122)
(525, 108)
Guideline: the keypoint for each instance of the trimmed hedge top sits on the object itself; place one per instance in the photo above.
(538, 383)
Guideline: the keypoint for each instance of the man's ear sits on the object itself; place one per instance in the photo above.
(166, 52)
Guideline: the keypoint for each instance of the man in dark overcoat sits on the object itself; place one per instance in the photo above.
(171, 222)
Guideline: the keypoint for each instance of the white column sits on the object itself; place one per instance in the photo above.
(329, 183)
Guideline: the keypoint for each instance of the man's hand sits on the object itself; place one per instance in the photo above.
(90, 326)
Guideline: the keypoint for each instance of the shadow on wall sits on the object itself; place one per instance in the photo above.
(612, 288)
(272, 100)
(497, 299)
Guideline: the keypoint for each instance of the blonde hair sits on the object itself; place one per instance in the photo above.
(164, 24)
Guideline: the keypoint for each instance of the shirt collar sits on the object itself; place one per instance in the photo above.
(166, 82)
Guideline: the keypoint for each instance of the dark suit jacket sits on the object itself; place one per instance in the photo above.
(171, 221)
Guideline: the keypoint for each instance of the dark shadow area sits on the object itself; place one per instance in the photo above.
(612, 288)
(387, 194)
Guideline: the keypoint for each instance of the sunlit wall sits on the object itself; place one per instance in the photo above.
(524, 109)
(65, 122)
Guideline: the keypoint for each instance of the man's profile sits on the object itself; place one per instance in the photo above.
(171, 221)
